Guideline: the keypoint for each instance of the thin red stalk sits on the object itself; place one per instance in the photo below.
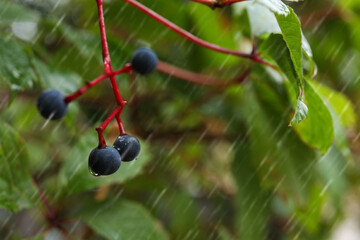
(84, 89)
(206, 2)
(106, 54)
(120, 124)
(195, 77)
(50, 213)
(126, 69)
(105, 48)
(71, 97)
(102, 127)
(186, 34)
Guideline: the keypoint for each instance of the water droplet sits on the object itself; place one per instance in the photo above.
(93, 173)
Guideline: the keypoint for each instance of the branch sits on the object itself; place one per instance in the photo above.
(253, 55)
(102, 127)
(198, 78)
(71, 97)
(106, 54)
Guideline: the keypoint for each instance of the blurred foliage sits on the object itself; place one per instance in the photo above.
(275, 157)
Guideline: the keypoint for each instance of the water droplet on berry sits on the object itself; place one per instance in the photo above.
(93, 173)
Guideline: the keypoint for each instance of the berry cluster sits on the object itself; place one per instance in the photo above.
(103, 160)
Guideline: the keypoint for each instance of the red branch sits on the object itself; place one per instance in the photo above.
(50, 213)
(120, 124)
(196, 77)
(109, 72)
(126, 69)
(106, 55)
(102, 127)
(84, 89)
(253, 55)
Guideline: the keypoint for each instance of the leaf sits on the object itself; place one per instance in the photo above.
(331, 168)
(64, 81)
(317, 130)
(16, 188)
(276, 6)
(12, 12)
(224, 234)
(275, 47)
(261, 19)
(342, 112)
(338, 102)
(253, 212)
(300, 113)
(121, 219)
(276, 149)
(75, 176)
(15, 67)
(291, 31)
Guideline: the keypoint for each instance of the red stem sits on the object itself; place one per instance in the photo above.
(50, 213)
(102, 127)
(120, 124)
(71, 97)
(253, 56)
(196, 77)
(106, 55)
(206, 2)
(126, 69)
(109, 72)
(84, 89)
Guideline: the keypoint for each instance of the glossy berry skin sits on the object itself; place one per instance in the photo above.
(128, 147)
(51, 104)
(144, 61)
(104, 161)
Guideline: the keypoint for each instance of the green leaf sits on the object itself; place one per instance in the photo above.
(15, 67)
(317, 130)
(12, 12)
(276, 6)
(275, 148)
(224, 234)
(342, 112)
(331, 168)
(251, 199)
(75, 176)
(338, 102)
(291, 31)
(261, 19)
(64, 81)
(300, 113)
(16, 187)
(310, 217)
(121, 219)
(275, 47)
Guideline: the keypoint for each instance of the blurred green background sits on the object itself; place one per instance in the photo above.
(216, 163)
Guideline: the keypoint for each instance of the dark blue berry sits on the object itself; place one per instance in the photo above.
(128, 147)
(104, 161)
(144, 61)
(51, 104)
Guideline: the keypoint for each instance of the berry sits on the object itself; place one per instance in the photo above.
(51, 104)
(104, 161)
(128, 147)
(144, 61)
